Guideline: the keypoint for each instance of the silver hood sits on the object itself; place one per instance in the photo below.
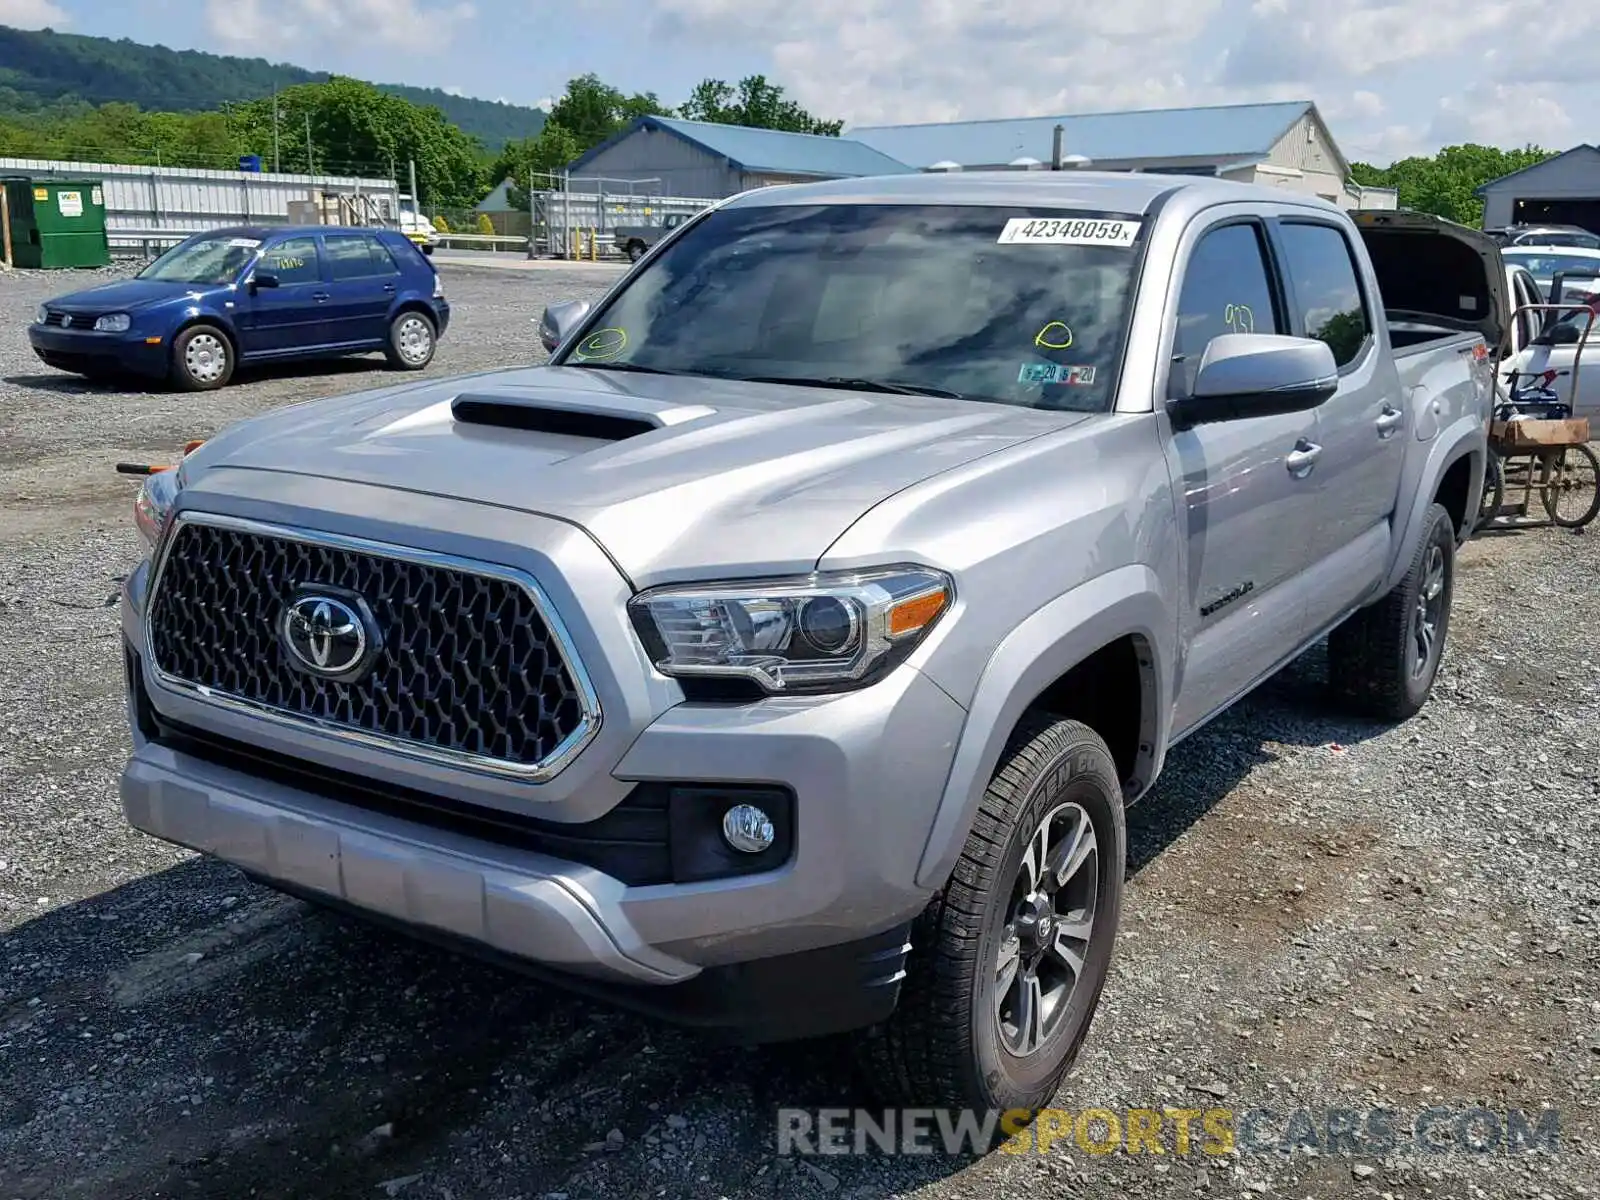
(673, 475)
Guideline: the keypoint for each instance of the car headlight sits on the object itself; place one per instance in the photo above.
(41, 315)
(113, 323)
(822, 633)
(152, 508)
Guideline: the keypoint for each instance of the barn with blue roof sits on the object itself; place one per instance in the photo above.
(1284, 144)
(698, 158)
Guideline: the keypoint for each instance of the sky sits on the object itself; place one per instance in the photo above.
(1392, 77)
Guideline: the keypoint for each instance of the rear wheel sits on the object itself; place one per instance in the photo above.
(1494, 490)
(635, 251)
(1383, 660)
(411, 341)
(1009, 960)
(202, 359)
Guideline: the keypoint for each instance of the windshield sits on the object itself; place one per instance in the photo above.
(1009, 305)
(1587, 241)
(203, 260)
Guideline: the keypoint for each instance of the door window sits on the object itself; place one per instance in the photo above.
(1227, 288)
(293, 260)
(357, 256)
(1318, 261)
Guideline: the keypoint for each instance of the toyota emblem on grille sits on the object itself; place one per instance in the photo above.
(328, 636)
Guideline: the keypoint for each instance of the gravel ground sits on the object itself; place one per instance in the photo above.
(1322, 914)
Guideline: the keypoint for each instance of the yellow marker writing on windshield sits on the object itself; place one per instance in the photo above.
(1239, 318)
(1055, 336)
(603, 344)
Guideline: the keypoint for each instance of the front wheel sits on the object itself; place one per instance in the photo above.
(202, 359)
(1008, 962)
(411, 341)
(1383, 660)
(635, 251)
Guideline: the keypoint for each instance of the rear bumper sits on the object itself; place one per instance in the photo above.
(72, 350)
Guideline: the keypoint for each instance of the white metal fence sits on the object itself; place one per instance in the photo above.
(566, 222)
(184, 200)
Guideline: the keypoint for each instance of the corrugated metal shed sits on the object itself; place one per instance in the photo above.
(766, 151)
(1227, 132)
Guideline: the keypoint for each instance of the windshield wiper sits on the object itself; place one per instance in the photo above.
(890, 386)
(624, 366)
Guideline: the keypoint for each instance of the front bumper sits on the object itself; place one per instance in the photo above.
(865, 771)
(84, 349)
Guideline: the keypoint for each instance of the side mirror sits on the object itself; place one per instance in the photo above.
(1244, 375)
(263, 279)
(560, 320)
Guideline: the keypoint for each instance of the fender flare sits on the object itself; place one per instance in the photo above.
(1057, 637)
(1462, 438)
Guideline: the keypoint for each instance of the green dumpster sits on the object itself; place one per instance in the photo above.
(57, 223)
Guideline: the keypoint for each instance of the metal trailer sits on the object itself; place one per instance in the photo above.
(573, 218)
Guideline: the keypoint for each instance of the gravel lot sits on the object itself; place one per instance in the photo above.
(1321, 914)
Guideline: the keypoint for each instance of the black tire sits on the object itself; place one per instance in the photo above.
(1494, 490)
(945, 1043)
(428, 250)
(1574, 498)
(412, 341)
(202, 359)
(635, 251)
(1376, 661)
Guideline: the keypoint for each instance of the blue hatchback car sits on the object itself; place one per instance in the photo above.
(249, 295)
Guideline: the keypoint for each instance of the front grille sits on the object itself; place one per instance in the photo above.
(467, 668)
(79, 320)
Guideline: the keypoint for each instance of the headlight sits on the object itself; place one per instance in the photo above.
(152, 508)
(113, 323)
(41, 315)
(822, 633)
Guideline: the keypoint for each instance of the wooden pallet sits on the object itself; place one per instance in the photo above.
(1525, 435)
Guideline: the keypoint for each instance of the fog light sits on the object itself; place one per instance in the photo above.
(746, 828)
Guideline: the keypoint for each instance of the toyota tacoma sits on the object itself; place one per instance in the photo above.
(782, 655)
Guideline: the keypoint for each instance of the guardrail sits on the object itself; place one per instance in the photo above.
(492, 240)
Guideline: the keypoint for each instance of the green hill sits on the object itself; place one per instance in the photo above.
(44, 69)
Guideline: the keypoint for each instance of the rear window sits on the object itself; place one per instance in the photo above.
(1326, 286)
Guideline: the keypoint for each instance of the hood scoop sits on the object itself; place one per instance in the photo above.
(592, 423)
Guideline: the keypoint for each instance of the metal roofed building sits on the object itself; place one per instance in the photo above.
(1283, 145)
(670, 157)
(1564, 190)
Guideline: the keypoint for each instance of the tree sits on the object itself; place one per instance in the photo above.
(591, 110)
(1444, 184)
(357, 129)
(536, 158)
(756, 102)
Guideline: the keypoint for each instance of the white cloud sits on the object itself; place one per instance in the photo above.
(33, 14)
(414, 24)
(930, 60)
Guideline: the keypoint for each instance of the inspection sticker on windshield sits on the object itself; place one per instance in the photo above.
(1068, 231)
(244, 243)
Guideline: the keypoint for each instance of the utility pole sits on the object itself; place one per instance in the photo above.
(1055, 150)
(311, 162)
(277, 153)
(416, 201)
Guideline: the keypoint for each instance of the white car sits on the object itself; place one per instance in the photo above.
(1544, 263)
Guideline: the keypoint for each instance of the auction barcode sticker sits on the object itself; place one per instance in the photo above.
(1069, 231)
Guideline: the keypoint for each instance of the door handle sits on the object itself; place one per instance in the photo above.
(319, 297)
(1302, 458)
(1389, 421)
(389, 287)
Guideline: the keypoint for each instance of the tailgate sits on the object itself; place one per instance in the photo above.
(1435, 272)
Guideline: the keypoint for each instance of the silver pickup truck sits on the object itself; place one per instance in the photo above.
(782, 655)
